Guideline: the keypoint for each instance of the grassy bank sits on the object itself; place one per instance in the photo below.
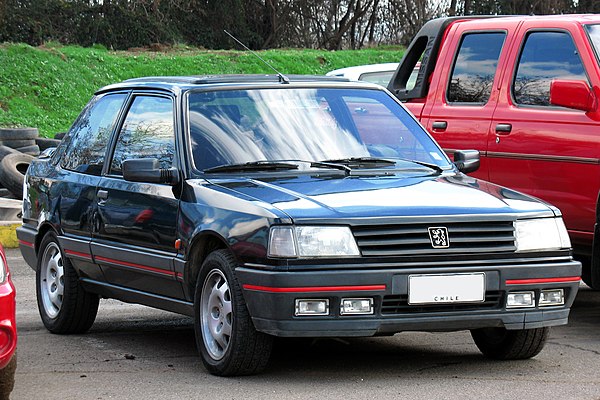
(47, 87)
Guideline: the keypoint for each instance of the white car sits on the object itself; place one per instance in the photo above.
(380, 74)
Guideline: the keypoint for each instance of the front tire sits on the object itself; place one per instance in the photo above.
(228, 343)
(502, 344)
(64, 305)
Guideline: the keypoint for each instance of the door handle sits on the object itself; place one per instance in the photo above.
(439, 125)
(503, 129)
(102, 196)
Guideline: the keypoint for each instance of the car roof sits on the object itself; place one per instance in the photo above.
(355, 72)
(180, 83)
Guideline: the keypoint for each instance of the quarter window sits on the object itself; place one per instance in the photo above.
(146, 133)
(86, 142)
(545, 56)
(475, 67)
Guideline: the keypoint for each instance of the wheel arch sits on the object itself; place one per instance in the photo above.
(199, 248)
(42, 231)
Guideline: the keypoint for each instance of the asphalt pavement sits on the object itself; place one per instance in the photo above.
(135, 352)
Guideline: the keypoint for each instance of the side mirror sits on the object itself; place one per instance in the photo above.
(466, 160)
(148, 170)
(572, 94)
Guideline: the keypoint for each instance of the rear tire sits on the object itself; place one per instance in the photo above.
(228, 343)
(502, 344)
(64, 305)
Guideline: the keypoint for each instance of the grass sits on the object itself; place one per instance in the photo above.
(46, 87)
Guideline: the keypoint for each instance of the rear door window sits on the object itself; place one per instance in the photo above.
(545, 56)
(475, 67)
(88, 138)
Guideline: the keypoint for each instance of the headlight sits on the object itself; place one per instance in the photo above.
(541, 234)
(312, 241)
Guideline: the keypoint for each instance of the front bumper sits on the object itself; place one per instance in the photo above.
(271, 295)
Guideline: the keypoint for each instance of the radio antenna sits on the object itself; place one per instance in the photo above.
(282, 77)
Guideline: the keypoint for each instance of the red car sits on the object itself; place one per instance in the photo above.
(8, 329)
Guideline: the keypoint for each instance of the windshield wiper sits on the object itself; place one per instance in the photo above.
(361, 162)
(432, 166)
(327, 164)
(253, 166)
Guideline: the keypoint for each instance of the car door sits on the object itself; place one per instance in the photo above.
(135, 222)
(461, 114)
(549, 152)
(81, 159)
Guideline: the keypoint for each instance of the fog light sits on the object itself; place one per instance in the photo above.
(312, 306)
(552, 297)
(520, 299)
(356, 306)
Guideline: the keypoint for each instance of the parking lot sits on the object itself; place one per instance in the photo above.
(134, 352)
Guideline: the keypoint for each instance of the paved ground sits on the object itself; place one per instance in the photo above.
(134, 352)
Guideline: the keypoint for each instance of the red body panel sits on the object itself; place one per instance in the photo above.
(552, 153)
(8, 326)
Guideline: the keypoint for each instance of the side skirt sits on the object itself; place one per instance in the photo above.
(137, 297)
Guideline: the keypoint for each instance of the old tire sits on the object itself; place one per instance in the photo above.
(502, 344)
(5, 150)
(45, 143)
(15, 144)
(7, 378)
(12, 172)
(64, 305)
(18, 133)
(31, 150)
(228, 343)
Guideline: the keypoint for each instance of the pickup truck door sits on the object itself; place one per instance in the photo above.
(547, 151)
(465, 91)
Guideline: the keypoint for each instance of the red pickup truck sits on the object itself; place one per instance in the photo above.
(525, 92)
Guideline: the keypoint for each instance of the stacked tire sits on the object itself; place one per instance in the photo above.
(18, 146)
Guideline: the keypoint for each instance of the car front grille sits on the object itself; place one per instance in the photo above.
(398, 304)
(413, 239)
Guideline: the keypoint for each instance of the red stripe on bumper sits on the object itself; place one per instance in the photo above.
(24, 243)
(568, 279)
(314, 288)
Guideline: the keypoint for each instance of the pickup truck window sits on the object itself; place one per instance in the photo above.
(545, 56)
(474, 67)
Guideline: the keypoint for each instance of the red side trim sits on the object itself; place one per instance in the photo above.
(78, 254)
(24, 243)
(568, 279)
(314, 288)
(137, 266)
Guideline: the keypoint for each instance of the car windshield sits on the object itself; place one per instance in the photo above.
(229, 127)
(593, 31)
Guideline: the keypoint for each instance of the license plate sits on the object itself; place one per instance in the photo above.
(445, 289)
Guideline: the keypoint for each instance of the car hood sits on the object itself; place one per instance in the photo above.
(311, 197)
